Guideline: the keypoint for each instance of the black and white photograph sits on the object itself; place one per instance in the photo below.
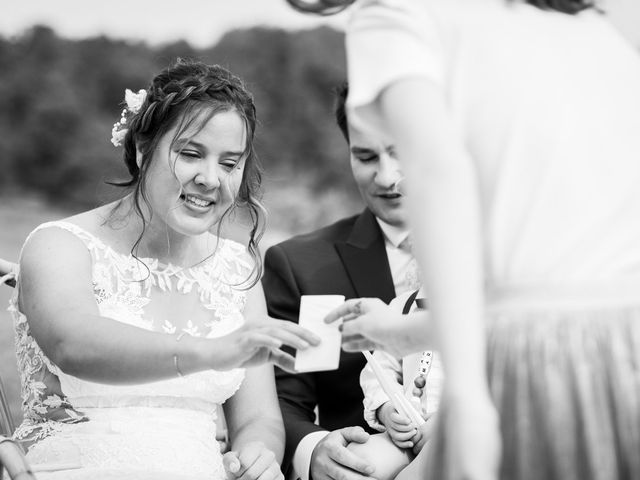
(320, 240)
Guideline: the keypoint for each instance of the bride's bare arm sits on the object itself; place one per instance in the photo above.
(56, 295)
(256, 430)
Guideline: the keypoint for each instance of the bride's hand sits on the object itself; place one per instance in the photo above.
(252, 462)
(259, 342)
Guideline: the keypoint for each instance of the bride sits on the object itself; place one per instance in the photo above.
(133, 321)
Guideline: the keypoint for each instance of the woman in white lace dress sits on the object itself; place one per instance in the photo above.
(133, 321)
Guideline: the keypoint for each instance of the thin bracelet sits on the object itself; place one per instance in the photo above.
(8, 440)
(175, 355)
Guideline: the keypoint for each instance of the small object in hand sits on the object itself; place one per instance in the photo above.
(326, 355)
(394, 392)
(418, 383)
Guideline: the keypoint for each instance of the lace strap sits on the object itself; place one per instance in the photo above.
(90, 241)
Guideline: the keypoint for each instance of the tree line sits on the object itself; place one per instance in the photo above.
(59, 99)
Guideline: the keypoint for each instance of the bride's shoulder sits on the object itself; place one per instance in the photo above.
(53, 252)
(71, 229)
(66, 239)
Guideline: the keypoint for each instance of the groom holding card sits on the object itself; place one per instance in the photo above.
(362, 256)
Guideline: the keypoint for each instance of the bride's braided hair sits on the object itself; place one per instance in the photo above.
(188, 94)
(320, 7)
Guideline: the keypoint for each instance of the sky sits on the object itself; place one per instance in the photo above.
(201, 22)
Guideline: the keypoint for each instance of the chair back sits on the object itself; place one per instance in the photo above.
(7, 427)
(8, 271)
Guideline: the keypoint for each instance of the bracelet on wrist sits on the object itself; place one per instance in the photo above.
(176, 357)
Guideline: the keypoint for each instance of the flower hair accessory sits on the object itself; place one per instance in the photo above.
(134, 102)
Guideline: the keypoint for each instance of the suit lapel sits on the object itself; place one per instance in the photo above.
(365, 259)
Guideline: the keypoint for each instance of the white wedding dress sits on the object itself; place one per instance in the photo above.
(164, 429)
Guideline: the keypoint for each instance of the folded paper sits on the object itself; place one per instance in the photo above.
(326, 356)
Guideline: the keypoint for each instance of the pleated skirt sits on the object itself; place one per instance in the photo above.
(564, 372)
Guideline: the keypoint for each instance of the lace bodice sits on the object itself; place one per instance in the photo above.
(137, 292)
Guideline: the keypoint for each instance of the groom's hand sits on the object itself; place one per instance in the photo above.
(331, 459)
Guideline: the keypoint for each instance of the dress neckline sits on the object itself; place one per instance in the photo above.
(153, 263)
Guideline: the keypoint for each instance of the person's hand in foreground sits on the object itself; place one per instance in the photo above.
(472, 427)
(370, 324)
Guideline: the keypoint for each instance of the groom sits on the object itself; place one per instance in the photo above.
(360, 256)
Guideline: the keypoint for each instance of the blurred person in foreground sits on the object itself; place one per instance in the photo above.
(363, 255)
(517, 124)
(133, 321)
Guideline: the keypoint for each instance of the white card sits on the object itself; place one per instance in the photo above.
(326, 356)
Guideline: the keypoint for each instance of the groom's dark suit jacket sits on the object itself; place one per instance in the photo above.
(346, 258)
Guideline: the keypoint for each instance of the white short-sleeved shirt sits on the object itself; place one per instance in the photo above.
(548, 105)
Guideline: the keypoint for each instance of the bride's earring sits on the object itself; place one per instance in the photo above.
(138, 157)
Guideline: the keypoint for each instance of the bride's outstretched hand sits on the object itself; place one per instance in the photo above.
(253, 462)
(259, 342)
(370, 324)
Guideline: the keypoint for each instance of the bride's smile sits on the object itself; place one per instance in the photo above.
(195, 175)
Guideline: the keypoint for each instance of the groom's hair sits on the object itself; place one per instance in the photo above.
(340, 111)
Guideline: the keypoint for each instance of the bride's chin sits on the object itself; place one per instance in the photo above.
(192, 227)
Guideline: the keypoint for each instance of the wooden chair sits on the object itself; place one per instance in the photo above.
(8, 272)
(7, 426)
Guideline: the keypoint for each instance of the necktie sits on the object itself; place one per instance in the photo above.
(412, 273)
